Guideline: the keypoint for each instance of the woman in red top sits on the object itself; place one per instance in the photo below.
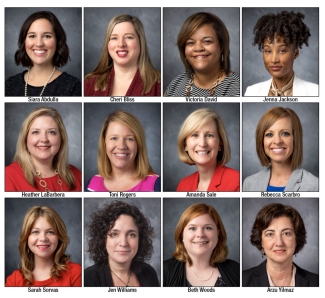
(40, 162)
(202, 141)
(125, 67)
(42, 245)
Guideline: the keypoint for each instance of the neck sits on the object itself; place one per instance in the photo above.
(43, 264)
(45, 167)
(200, 263)
(125, 72)
(119, 269)
(280, 169)
(42, 71)
(118, 174)
(279, 271)
(205, 175)
(281, 82)
(206, 79)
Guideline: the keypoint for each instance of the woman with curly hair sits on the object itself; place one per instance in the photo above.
(119, 242)
(279, 37)
(42, 245)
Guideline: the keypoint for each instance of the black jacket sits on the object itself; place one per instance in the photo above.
(175, 276)
(257, 277)
(100, 276)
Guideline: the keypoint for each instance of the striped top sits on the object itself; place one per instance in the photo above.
(230, 86)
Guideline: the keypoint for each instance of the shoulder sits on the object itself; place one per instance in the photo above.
(304, 88)
(177, 85)
(253, 182)
(309, 181)
(13, 167)
(15, 85)
(93, 269)
(16, 78)
(71, 85)
(171, 262)
(257, 89)
(230, 264)
(75, 170)
(313, 278)
(185, 183)
(230, 172)
(147, 276)
(15, 279)
(68, 78)
(96, 183)
(74, 268)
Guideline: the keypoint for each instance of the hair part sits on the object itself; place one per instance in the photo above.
(102, 71)
(193, 122)
(142, 165)
(61, 55)
(194, 22)
(103, 220)
(275, 210)
(60, 258)
(287, 24)
(220, 252)
(267, 120)
(60, 160)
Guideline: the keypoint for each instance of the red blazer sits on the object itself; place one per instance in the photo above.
(135, 89)
(223, 179)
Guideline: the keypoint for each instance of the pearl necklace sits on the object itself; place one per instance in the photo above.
(44, 184)
(44, 85)
(213, 87)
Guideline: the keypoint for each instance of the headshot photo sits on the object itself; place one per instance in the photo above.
(122, 242)
(122, 146)
(201, 242)
(123, 58)
(201, 51)
(43, 147)
(201, 147)
(285, 233)
(285, 154)
(43, 242)
(280, 51)
(43, 51)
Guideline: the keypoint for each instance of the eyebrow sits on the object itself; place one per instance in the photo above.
(123, 34)
(270, 230)
(208, 36)
(116, 230)
(31, 32)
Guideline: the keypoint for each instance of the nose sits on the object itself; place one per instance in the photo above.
(198, 47)
(39, 41)
(279, 240)
(275, 57)
(202, 141)
(121, 42)
(122, 144)
(123, 240)
(44, 137)
(43, 237)
(200, 233)
(277, 139)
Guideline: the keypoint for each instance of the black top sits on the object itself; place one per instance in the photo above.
(63, 85)
(257, 277)
(175, 275)
(100, 276)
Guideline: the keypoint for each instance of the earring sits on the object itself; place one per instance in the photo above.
(222, 58)
(262, 252)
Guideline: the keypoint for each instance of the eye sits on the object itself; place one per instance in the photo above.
(190, 43)
(208, 228)
(282, 51)
(113, 138)
(31, 36)
(133, 235)
(35, 232)
(286, 133)
(267, 51)
(208, 41)
(112, 235)
(269, 134)
(51, 232)
(130, 139)
(52, 132)
(35, 132)
(113, 38)
(209, 135)
(269, 234)
(129, 37)
(287, 233)
(48, 36)
(191, 228)
(194, 135)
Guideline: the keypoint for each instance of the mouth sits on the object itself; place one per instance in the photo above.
(42, 247)
(202, 152)
(200, 242)
(39, 52)
(277, 150)
(275, 68)
(123, 252)
(121, 155)
(122, 54)
(42, 148)
(279, 251)
(200, 57)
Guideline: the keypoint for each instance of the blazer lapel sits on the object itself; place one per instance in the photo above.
(260, 278)
(265, 88)
(295, 180)
(300, 279)
(298, 87)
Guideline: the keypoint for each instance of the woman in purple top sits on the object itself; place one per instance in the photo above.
(122, 157)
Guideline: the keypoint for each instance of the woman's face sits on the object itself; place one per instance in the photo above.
(279, 58)
(40, 42)
(203, 145)
(42, 240)
(124, 45)
(122, 241)
(279, 141)
(43, 139)
(121, 146)
(200, 236)
(202, 50)
(279, 240)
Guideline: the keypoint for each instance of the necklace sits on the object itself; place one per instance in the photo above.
(126, 284)
(202, 279)
(213, 87)
(44, 184)
(44, 85)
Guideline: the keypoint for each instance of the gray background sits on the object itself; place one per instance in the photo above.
(69, 210)
(227, 208)
(94, 117)
(70, 20)
(96, 21)
(16, 113)
(308, 114)
(306, 65)
(308, 257)
(173, 21)
(174, 116)
(150, 207)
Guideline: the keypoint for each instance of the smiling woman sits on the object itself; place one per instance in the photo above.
(40, 162)
(43, 49)
(42, 246)
(122, 157)
(279, 37)
(203, 44)
(200, 257)
(125, 67)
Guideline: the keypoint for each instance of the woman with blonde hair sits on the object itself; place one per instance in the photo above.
(41, 159)
(203, 141)
(125, 67)
(123, 162)
(42, 247)
(200, 257)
